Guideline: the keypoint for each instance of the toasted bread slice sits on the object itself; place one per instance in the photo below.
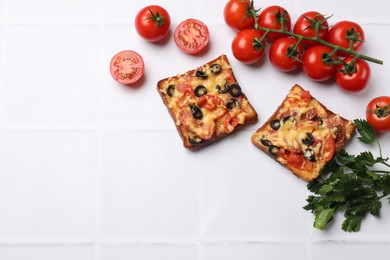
(302, 134)
(206, 103)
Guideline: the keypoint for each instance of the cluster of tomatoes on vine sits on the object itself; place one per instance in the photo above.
(321, 51)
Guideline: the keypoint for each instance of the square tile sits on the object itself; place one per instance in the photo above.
(47, 252)
(57, 89)
(256, 200)
(48, 186)
(357, 251)
(149, 188)
(60, 11)
(148, 252)
(252, 251)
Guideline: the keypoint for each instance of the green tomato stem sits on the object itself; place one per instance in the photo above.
(320, 41)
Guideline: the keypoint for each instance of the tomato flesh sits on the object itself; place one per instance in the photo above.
(191, 36)
(297, 161)
(127, 67)
(328, 148)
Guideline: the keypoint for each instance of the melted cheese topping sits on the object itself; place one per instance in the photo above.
(217, 119)
(299, 116)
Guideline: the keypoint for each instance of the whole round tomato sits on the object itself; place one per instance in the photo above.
(247, 47)
(152, 23)
(274, 17)
(285, 54)
(353, 77)
(343, 32)
(127, 67)
(306, 25)
(237, 14)
(191, 36)
(315, 64)
(378, 113)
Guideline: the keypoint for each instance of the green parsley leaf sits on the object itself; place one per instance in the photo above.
(366, 131)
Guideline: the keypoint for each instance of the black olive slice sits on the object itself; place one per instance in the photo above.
(170, 90)
(308, 140)
(235, 90)
(196, 112)
(200, 90)
(215, 68)
(232, 103)
(223, 90)
(265, 142)
(274, 150)
(319, 120)
(309, 154)
(289, 118)
(195, 140)
(275, 124)
(201, 74)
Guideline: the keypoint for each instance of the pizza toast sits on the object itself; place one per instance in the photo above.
(206, 103)
(302, 134)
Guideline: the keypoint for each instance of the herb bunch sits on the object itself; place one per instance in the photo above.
(353, 184)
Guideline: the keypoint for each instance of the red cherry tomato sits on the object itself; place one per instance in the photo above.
(314, 66)
(378, 113)
(357, 79)
(152, 23)
(247, 47)
(343, 32)
(273, 17)
(236, 14)
(306, 24)
(285, 54)
(127, 67)
(191, 36)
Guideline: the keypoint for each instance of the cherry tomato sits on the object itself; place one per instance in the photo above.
(306, 24)
(152, 23)
(343, 32)
(191, 36)
(285, 54)
(247, 47)
(328, 148)
(237, 14)
(314, 66)
(378, 113)
(273, 17)
(127, 67)
(353, 77)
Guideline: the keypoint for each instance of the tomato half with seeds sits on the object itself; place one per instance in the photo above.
(127, 67)
(378, 113)
(192, 36)
(152, 23)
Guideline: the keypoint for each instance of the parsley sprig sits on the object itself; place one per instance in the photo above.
(353, 184)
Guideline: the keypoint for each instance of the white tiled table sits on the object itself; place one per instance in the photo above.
(85, 175)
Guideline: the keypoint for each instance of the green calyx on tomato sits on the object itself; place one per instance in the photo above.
(381, 111)
(156, 17)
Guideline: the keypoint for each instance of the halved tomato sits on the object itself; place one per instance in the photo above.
(127, 67)
(192, 36)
